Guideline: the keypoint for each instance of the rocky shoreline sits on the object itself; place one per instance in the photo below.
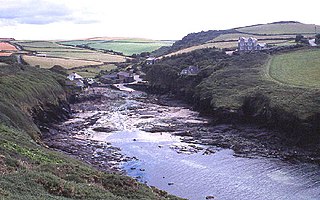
(72, 137)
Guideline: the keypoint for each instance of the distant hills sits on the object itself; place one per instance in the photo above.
(276, 33)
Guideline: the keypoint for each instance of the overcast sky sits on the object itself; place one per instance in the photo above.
(154, 19)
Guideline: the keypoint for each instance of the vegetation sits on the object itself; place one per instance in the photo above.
(277, 33)
(30, 171)
(47, 62)
(92, 72)
(279, 28)
(239, 87)
(126, 46)
(300, 68)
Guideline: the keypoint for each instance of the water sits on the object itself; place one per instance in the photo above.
(222, 175)
(187, 171)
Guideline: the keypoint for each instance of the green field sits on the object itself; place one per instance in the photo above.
(300, 68)
(53, 49)
(91, 72)
(126, 46)
(87, 63)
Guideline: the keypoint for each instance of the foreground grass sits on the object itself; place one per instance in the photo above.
(299, 68)
(28, 170)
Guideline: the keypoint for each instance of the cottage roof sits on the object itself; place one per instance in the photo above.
(244, 39)
(74, 76)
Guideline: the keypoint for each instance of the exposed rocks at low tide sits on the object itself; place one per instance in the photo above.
(117, 111)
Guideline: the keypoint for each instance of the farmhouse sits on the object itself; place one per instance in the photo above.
(250, 44)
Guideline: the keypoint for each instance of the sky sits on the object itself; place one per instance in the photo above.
(152, 19)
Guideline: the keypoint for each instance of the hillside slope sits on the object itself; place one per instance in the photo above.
(239, 88)
(31, 171)
(276, 33)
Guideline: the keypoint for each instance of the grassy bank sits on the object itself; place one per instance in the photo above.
(31, 171)
(238, 87)
(300, 68)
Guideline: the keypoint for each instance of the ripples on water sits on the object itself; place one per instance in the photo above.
(220, 174)
(195, 176)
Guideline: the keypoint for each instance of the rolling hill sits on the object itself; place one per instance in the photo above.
(276, 33)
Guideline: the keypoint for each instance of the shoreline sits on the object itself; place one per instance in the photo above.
(246, 140)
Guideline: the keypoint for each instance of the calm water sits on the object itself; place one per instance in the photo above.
(197, 175)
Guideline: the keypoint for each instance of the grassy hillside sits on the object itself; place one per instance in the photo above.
(84, 61)
(277, 33)
(125, 46)
(292, 28)
(239, 87)
(300, 68)
(31, 171)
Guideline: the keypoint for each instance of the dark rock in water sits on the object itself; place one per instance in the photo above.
(142, 170)
(170, 183)
(104, 129)
(209, 197)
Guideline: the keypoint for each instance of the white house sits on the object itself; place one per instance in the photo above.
(77, 79)
(250, 44)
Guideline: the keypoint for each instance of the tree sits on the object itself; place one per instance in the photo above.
(299, 38)
(318, 38)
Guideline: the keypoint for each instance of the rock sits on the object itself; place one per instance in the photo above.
(170, 183)
(142, 170)
(104, 129)
(209, 197)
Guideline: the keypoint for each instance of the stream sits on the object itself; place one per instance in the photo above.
(174, 149)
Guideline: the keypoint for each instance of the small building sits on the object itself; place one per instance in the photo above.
(74, 76)
(151, 60)
(125, 77)
(76, 79)
(191, 70)
(250, 44)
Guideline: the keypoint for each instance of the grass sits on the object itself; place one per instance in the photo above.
(225, 82)
(39, 44)
(68, 57)
(299, 68)
(235, 36)
(93, 56)
(46, 62)
(283, 28)
(125, 46)
(91, 72)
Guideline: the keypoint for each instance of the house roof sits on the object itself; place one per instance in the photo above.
(74, 76)
(247, 39)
